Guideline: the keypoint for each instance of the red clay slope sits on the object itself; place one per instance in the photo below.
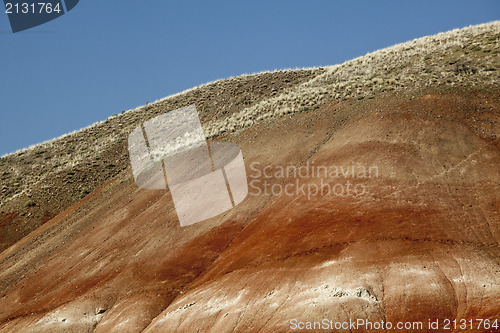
(420, 244)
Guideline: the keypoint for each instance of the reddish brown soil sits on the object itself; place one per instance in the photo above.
(50, 179)
(421, 244)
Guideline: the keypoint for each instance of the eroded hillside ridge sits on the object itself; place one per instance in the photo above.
(461, 57)
(39, 182)
(422, 243)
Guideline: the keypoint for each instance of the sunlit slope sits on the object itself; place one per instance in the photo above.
(421, 243)
(38, 183)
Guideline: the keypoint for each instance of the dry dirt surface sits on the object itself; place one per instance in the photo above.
(392, 214)
(38, 183)
(420, 243)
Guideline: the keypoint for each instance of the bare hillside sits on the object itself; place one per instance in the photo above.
(84, 249)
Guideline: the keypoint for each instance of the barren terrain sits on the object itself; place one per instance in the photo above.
(85, 250)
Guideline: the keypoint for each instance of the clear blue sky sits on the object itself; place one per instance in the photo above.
(108, 56)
